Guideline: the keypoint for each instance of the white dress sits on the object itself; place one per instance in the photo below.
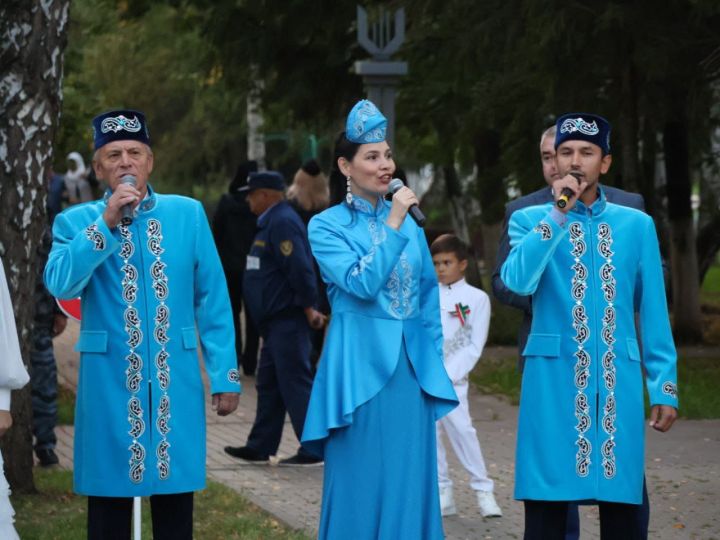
(13, 375)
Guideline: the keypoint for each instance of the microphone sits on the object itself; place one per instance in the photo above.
(566, 194)
(414, 210)
(126, 212)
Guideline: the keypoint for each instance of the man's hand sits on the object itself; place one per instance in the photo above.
(59, 324)
(316, 320)
(662, 417)
(5, 422)
(225, 402)
(123, 194)
(570, 182)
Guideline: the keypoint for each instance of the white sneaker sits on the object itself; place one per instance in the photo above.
(488, 506)
(447, 501)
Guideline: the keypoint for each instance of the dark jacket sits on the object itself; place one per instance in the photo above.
(279, 276)
(233, 228)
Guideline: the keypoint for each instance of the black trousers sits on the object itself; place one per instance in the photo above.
(109, 518)
(284, 381)
(547, 520)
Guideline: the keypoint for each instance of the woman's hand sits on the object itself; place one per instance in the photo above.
(402, 200)
(5, 422)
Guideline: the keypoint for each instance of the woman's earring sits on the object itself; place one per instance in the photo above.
(348, 196)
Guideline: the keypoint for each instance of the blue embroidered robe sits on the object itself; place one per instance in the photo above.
(383, 289)
(581, 424)
(140, 411)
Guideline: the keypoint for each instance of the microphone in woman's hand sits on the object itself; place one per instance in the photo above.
(414, 210)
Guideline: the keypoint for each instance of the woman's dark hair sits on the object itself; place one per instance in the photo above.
(311, 167)
(449, 243)
(345, 149)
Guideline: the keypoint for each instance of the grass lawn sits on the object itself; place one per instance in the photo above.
(698, 381)
(56, 513)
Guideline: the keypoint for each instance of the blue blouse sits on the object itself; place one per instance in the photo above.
(383, 289)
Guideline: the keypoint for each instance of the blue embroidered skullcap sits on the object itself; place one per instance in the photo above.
(583, 127)
(120, 125)
(365, 123)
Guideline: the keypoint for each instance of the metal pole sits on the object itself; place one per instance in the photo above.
(137, 518)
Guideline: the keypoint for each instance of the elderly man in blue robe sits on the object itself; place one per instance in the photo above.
(151, 282)
(585, 261)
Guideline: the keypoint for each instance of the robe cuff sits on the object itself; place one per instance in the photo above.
(4, 399)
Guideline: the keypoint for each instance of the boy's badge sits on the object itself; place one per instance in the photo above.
(461, 312)
(286, 247)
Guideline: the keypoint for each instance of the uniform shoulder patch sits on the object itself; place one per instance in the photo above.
(286, 247)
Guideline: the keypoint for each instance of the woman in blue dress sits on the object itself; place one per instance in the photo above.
(381, 383)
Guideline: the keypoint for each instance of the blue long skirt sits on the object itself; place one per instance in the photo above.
(381, 471)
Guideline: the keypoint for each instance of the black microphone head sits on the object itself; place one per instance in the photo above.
(128, 179)
(395, 184)
(577, 176)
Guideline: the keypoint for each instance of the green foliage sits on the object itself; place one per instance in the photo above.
(66, 406)
(56, 513)
(152, 57)
(504, 324)
(711, 283)
(498, 377)
(698, 381)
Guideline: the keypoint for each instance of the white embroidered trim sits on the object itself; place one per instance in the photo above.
(582, 333)
(571, 125)
(133, 373)
(670, 389)
(160, 334)
(120, 123)
(400, 284)
(378, 235)
(460, 339)
(607, 283)
(96, 237)
(544, 230)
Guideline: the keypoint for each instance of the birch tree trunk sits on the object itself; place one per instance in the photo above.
(255, 122)
(33, 35)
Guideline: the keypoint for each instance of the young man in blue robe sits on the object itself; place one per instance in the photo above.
(150, 285)
(588, 265)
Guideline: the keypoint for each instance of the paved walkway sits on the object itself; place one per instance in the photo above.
(683, 470)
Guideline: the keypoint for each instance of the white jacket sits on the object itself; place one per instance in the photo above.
(464, 338)
(13, 374)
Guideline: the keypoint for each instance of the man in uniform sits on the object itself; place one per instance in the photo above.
(280, 292)
(150, 286)
(589, 265)
(48, 323)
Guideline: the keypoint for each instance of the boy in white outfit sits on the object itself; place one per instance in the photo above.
(465, 315)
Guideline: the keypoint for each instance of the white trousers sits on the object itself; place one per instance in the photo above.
(459, 429)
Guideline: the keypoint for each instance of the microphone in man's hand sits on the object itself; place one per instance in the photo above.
(566, 194)
(414, 210)
(126, 212)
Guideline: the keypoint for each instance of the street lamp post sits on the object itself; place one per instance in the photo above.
(380, 74)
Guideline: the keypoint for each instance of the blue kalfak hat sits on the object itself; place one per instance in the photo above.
(583, 127)
(264, 180)
(120, 125)
(365, 123)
